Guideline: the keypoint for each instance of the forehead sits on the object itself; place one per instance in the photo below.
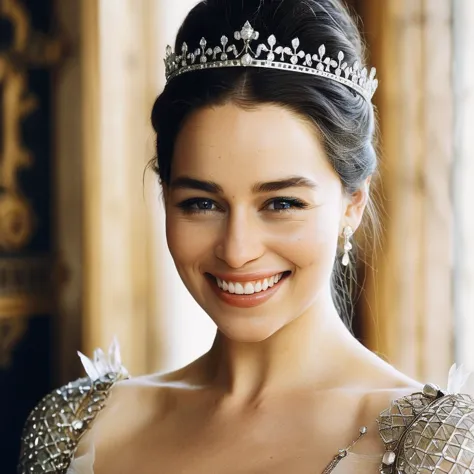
(232, 145)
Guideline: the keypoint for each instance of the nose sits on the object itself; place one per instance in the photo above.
(241, 241)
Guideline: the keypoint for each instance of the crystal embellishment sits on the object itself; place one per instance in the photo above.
(270, 55)
(77, 425)
(246, 60)
(431, 390)
(247, 33)
(101, 365)
(389, 458)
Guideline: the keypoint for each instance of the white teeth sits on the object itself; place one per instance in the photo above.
(250, 287)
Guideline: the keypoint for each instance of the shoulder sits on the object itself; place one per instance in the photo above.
(55, 426)
(372, 403)
(428, 431)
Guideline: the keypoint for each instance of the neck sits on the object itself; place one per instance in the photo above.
(311, 351)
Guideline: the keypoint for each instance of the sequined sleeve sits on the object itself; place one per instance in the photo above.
(429, 432)
(56, 425)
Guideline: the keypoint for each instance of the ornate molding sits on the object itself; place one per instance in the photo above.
(24, 278)
(28, 48)
(25, 282)
(12, 331)
(26, 287)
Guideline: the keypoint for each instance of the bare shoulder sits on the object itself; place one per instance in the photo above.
(132, 403)
(386, 388)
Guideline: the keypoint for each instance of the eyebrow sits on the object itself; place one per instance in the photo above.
(185, 182)
(292, 182)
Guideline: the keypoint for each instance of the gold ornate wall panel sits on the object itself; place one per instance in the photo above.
(23, 287)
(28, 52)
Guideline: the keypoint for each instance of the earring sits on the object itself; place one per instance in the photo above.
(347, 232)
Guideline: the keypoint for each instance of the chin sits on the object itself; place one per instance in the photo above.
(247, 331)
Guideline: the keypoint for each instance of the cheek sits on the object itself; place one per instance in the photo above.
(310, 243)
(187, 240)
(311, 247)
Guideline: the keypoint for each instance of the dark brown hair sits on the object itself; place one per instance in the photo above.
(345, 121)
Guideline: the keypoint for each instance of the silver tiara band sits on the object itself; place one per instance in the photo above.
(277, 57)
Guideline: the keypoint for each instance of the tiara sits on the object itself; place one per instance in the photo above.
(277, 57)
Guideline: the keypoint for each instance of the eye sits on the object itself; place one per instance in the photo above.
(198, 205)
(285, 204)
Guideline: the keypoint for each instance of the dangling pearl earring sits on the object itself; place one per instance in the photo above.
(347, 232)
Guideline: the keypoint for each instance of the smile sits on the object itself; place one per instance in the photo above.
(249, 287)
(246, 291)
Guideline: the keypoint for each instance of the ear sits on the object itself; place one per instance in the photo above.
(354, 206)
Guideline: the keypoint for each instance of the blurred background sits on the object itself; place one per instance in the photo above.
(82, 249)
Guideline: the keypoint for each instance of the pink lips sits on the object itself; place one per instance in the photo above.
(245, 301)
(247, 277)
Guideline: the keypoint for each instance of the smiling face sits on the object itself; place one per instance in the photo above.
(252, 196)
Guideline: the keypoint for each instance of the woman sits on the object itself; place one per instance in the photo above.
(265, 153)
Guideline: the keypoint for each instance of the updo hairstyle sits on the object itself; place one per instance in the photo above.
(343, 120)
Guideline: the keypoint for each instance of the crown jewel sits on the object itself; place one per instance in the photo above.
(269, 55)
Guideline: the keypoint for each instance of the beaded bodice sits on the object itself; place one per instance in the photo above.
(425, 432)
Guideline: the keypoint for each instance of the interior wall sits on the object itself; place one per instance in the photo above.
(131, 288)
(462, 180)
(69, 192)
(407, 306)
(409, 315)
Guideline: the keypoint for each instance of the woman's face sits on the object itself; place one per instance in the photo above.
(254, 207)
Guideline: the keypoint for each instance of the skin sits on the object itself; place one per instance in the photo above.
(285, 385)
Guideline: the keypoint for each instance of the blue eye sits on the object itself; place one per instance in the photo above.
(285, 204)
(206, 205)
(196, 205)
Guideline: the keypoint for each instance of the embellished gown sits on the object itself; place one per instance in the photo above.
(425, 432)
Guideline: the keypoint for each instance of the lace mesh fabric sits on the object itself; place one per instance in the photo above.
(353, 464)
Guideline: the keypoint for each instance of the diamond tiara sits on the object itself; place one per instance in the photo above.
(277, 57)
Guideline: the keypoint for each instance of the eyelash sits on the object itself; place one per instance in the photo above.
(187, 206)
